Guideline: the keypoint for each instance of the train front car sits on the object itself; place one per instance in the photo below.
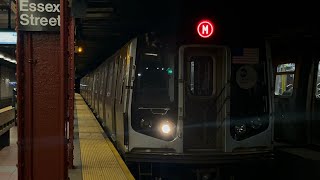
(155, 126)
(197, 103)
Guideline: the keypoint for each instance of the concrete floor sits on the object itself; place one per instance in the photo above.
(286, 167)
(9, 155)
(76, 172)
(9, 158)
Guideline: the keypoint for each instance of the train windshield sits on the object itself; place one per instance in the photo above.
(155, 73)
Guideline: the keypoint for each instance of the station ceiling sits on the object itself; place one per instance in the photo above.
(108, 24)
(103, 26)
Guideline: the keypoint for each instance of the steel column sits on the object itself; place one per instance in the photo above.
(71, 91)
(42, 100)
(64, 58)
(20, 103)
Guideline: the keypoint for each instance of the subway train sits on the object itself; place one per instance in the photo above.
(164, 101)
(296, 91)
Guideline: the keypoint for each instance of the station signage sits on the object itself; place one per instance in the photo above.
(39, 15)
(205, 28)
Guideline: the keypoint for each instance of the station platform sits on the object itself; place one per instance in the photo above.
(95, 157)
(9, 158)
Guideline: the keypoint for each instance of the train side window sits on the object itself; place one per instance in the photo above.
(201, 75)
(318, 83)
(289, 67)
(284, 79)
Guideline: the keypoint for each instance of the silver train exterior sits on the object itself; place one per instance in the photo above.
(186, 103)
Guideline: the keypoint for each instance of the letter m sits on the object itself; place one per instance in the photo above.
(205, 29)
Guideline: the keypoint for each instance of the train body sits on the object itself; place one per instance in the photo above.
(296, 79)
(193, 103)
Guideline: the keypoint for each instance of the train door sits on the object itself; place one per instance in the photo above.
(102, 89)
(294, 75)
(99, 90)
(315, 124)
(291, 95)
(204, 69)
(114, 95)
(96, 95)
(88, 88)
(284, 100)
(86, 79)
(91, 89)
(84, 88)
(91, 83)
(109, 108)
(105, 93)
(119, 105)
(94, 89)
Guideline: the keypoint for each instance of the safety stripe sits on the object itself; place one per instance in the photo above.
(100, 159)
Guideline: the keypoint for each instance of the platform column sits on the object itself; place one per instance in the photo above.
(42, 92)
(71, 82)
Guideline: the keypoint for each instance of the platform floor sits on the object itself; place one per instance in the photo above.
(95, 156)
(9, 158)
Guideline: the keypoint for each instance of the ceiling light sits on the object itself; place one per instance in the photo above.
(8, 59)
(151, 54)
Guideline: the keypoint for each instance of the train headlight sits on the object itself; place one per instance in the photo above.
(240, 129)
(256, 123)
(165, 128)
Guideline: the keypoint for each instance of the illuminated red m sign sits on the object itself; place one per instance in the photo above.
(205, 29)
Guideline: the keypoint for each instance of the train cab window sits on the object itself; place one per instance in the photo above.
(318, 83)
(201, 75)
(156, 73)
(284, 79)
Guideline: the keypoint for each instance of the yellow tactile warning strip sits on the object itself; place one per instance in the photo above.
(99, 158)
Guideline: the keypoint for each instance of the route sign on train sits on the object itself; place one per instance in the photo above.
(205, 28)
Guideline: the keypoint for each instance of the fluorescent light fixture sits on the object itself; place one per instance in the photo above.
(13, 83)
(151, 54)
(8, 59)
(8, 38)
